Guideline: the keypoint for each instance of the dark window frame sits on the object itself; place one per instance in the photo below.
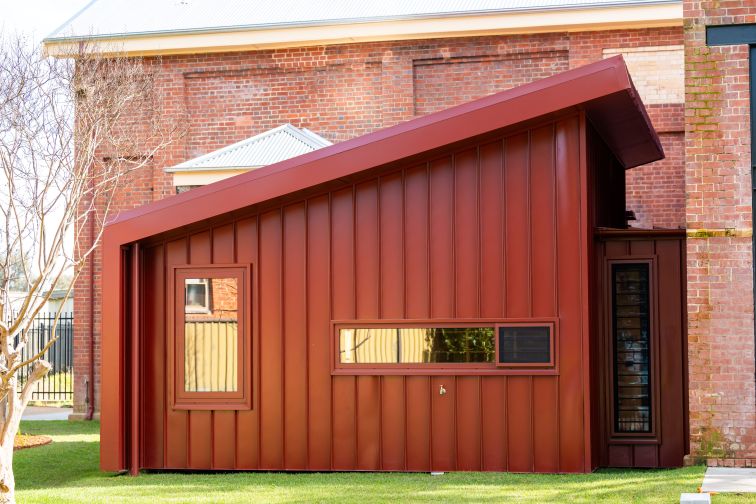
(445, 369)
(241, 398)
(653, 436)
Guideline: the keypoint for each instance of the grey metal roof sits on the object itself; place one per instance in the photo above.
(272, 146)
(118, 18)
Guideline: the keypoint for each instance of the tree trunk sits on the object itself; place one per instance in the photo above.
(7, 481)
(14, 407)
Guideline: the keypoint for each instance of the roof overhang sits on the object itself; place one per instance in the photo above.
(603, 89)
(627, 16)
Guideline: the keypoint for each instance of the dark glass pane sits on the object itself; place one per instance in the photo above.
(416, 345)
(632, 336)
(524, 345)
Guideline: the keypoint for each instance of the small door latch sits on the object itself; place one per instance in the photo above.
(441, 390)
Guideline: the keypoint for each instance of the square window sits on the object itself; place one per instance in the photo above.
(525, 345)
(197, 296)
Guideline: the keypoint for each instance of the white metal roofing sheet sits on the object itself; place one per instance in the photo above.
(272, 146)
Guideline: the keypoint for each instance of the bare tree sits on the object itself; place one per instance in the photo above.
(72, 135)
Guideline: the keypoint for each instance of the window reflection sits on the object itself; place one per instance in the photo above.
(210, 334)
(416, 345)
(631, 327)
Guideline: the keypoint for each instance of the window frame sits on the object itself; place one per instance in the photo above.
(241, 398)
(206, 306)
(654, 436)
(445, 369)
(529, 365)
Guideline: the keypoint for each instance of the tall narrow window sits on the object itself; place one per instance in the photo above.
(631, 332)
(211, 366)
(211, 326)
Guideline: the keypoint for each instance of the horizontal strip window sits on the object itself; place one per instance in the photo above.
(444, 345)
(416, 345)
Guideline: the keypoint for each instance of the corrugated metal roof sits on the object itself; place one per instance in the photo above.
(272, 146)
(141, 17)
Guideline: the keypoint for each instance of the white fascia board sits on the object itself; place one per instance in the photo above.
(570, 20)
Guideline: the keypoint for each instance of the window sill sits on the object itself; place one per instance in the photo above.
(366, 370)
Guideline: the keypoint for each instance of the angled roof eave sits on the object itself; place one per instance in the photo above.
(596, 81)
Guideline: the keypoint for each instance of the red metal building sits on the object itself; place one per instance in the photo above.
(458, 292)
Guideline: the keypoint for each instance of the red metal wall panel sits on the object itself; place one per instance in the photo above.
(248, 422)
(492, 221)
(442, 426)
(542, 218)
(468, 423)
(270, 386)
(343, 299)
(318, 322)
(441, 238)
(545, 424)
(296, 404)
(520, 423)
(393, 421)
(200, 422)
(490, 229)
(517, 225)
(416, 241)
(177, 421)
(224, 422)
(570, 279)
(495, 450)
(466, 247)
(154, 405)
(419, 421)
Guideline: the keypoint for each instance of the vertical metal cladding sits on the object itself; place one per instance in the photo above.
(490, 230)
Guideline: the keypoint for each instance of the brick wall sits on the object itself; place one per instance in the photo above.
(348, 90)
(718, 187)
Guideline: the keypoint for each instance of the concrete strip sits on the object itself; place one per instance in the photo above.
(46, 413)
(695, 498)
(729, 479)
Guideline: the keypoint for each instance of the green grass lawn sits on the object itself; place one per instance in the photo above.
(67, 471)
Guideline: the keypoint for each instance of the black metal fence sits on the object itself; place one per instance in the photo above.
(58, 384)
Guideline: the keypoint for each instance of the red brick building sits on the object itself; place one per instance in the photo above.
(719, 210)
(364, 71)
